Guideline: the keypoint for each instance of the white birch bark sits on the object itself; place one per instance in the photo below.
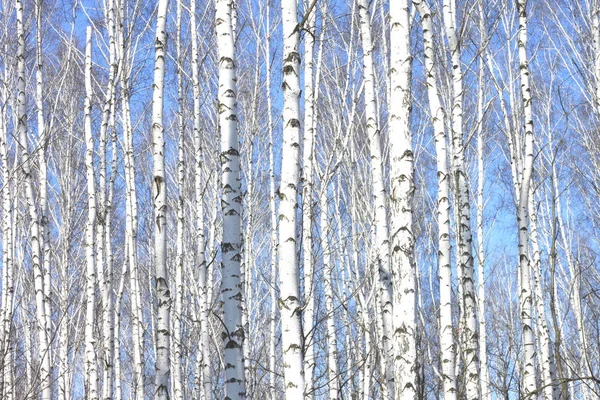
(7, 258)
(289, 301)
(401, 199)
(177, 343)
(203, 378)
(525, 295)
(447, 345)
(163, 294)
(273, 392)
(484, 376)
(328, 266)
(131, 218)
(104, 225)
(542, 324)
(307, 202)
(231, 292)
(379, 196)
(91, 362)
(34, 229)
(43, 185)
(470, 355)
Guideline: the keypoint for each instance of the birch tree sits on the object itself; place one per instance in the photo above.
(401, 199)
(233, 331)
(160, 211)
(289, 296)
(447, 345)
(91, 361)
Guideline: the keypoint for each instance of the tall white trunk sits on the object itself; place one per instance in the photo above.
(447, 346)
(401, 203)
(381, 237)
(465, 257)
(542, 324)
(131, 218)
(163, 294)
(307, 202)
(34, 230)
(91, 362)
(204, 383)
(7, 258)
(177, 343)
(43, 167)
(231, 292)
(104, 231)
(484, 376)
(525, 295)
(328, 269)
(273, 210)
(289, 301)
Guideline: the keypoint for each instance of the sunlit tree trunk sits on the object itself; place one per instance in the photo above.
(203, 378)
(104, 234)
(177, 342)
(525, 295)
(289, 301)
(307, 202)
(34, 229)
(447, 346)
(91, 362)
(328, 271)
(231, 292)
(7, 257)
(470, 355)
(163, 294)
(401, 199)
(381, 237)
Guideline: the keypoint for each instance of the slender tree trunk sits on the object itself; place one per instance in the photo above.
(204, 383)
(7, 258)
(40, 292)
(233, 334)
(163, 294)
(177, 342)
(91, 362)
(447, 345)
(328, 267)
(525, 295)
(379, 196)
(289, 301)
(401, 200)
(463, 210)
(307, 203)
(484, 376)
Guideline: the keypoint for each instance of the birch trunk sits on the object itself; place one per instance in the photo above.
(203, 379)
(163, 293)
(177, 342)
(7, 258)
(379, 196)
(463, 210)
(328, 266)
(307, 203)
(525, 295)
(232, 293)
(484, 376)
(273, 210)
(401, 200)
(91, 362)
(34, 230)
(105, 227)
(447, 346)
(42, 142)
(289, 301)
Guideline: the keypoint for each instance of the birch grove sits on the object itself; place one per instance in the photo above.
(248, 199)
